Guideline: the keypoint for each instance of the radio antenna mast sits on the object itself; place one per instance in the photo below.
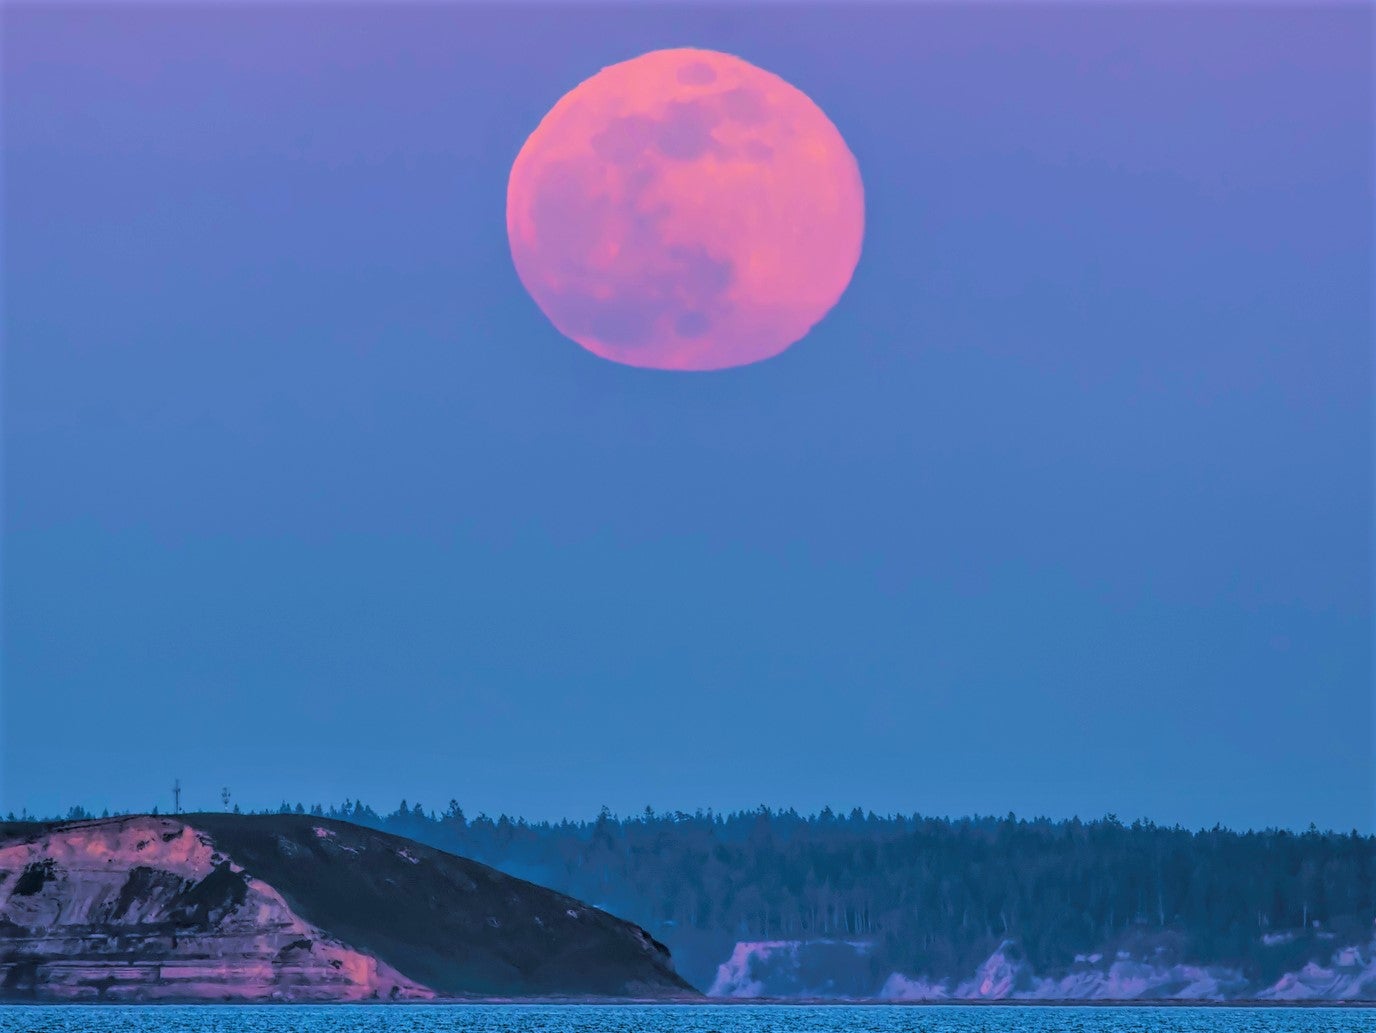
(176, 796)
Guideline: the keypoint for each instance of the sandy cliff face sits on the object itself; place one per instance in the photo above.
(789, 968)
(1350, 976)
(147, 909)
(1006, 976)
(795, 968)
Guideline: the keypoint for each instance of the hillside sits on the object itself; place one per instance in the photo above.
(860, 904)
(211, 907)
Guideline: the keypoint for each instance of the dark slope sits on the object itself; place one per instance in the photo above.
(449, 923)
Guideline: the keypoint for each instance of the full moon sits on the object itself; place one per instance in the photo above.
(685, 210)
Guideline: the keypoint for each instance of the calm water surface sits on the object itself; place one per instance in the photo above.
(677, 1019)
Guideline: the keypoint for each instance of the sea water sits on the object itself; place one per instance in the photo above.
(706, 1018)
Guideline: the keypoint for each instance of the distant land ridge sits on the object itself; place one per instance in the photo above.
(852, 905)
(297, 908)
(838, 904)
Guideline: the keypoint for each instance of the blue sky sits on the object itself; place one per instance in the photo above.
(1064, 509)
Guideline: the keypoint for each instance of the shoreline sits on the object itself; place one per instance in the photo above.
(717, 1002)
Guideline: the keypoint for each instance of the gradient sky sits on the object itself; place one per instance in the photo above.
(1066, 508)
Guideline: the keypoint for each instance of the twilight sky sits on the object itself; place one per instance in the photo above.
(1066, 508)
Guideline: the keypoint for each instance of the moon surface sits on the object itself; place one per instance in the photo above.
(685, 210)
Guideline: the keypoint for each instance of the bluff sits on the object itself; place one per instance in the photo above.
(292, 907)
(1150, 971)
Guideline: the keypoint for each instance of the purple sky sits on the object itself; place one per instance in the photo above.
(1065, 509)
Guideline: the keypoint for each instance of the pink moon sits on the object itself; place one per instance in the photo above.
(685, 210)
